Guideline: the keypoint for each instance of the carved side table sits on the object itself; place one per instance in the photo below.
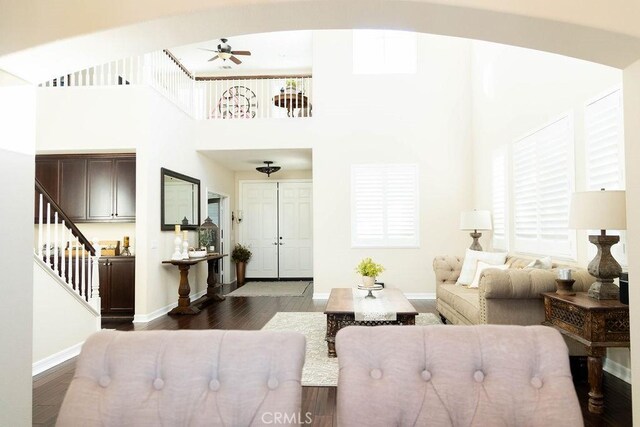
(597, 324)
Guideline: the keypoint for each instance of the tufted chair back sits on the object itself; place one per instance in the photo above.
(179, 378)
(486, 375)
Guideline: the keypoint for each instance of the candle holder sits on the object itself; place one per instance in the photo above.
(177, 252)
(565, 287)
(125, 245)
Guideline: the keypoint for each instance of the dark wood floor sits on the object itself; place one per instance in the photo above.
(253, 313)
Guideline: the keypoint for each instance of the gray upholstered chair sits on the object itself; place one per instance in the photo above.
(195, 378)
(486, 375)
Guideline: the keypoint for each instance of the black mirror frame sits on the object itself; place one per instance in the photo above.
(170, 227)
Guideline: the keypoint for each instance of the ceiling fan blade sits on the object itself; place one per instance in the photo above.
(241, 52)
(215, 57)
(236, 60)
(209, 50)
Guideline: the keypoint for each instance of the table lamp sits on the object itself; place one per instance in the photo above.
(603, 210)
(475, 220)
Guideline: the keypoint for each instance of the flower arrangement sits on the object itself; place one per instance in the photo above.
(240, 253)
(369, 268)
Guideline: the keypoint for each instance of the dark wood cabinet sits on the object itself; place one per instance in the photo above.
(90, 188)
(117, 287)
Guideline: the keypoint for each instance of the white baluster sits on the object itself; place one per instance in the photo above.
(64, 241)
(69, 258)
(95, 279)
(48, 251)
(76, 277)
(82, 276)
(55, 243)
(40, 208)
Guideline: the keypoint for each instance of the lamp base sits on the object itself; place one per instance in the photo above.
(475, 246)
(606, 290)
(604, 268)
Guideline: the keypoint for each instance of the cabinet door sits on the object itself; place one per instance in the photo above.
(100, 189)
(122, 286)
(47, 172)
(125, 188)
(73, 188)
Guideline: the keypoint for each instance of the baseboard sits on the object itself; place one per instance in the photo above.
(415, 295)
(56, 359)
(616, 369)
(145, 318)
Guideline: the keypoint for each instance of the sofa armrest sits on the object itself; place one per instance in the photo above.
(526, 283)
(447, 269)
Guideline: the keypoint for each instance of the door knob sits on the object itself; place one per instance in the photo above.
(274, 243)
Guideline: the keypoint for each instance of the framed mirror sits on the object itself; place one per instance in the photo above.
(179, 201)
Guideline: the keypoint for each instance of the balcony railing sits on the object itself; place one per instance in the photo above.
(223, 98)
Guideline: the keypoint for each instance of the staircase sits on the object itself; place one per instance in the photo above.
(63, 249)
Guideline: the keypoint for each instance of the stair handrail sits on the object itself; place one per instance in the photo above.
(68, 222)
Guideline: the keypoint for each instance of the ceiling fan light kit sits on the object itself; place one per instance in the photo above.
(224, 52)
(268, 169)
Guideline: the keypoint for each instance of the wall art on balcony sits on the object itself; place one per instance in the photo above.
(238, 102)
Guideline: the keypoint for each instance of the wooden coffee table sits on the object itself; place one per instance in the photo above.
(340, 312)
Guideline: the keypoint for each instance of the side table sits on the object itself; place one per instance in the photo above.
(597, 324)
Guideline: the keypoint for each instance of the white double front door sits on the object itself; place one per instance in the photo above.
(277, 224)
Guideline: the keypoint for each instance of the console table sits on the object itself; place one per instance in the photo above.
(597, 324)
(214, 289)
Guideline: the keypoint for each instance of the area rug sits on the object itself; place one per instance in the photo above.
(320, 370)
(271, 289)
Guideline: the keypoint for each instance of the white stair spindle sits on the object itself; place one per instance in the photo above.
(76, 276)
(40, 207)
(69, 258)
(64, 241)
(48, 251)
(56, 241)
(82, 275)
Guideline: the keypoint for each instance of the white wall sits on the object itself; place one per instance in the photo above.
(17, 124)
(422, 118)
(516, 91)
(60, 322)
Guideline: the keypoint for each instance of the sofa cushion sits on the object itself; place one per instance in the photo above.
(462, 299)
(471, 259)
(480, 268)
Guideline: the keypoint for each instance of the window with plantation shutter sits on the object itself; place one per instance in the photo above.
(543, 183)
(604, 152)
(499, 200)
(384, 205)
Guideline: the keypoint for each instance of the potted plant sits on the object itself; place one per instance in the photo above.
(369, 270)
(240, 255)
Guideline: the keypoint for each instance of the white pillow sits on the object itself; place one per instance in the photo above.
(480, 268)
(472, 257)
(541, 263)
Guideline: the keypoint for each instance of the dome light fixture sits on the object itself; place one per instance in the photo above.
(268, 169)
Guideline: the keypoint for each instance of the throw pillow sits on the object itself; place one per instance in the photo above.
(472, 257)
(541, 263)
(480, 268)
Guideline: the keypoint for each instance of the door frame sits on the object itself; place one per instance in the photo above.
(225, 224)
(239, 232)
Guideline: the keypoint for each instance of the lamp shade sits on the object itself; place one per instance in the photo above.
(475, 220)
(598, 210)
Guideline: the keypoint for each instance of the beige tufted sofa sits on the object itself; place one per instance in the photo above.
(195, 378)
(506, 297)
(487, 375)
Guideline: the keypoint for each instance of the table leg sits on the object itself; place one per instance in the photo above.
(332, 326)
(184, 302)
(594, 363)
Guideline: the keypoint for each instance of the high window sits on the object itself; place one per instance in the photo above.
(499, 200)
(604, 154)
(385, 205)
(384, 52)
(542, 186)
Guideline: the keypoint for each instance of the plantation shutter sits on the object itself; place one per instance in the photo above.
(543, 183)
(498, 202)
(604, 146)
(384, 205)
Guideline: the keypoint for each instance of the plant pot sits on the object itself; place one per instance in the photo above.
(368, 281)
(240, 271)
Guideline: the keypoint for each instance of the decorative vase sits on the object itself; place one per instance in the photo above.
(565, 287)
(240, 272)
(368, 281)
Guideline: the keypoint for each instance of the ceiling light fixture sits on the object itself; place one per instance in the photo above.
(268, 169)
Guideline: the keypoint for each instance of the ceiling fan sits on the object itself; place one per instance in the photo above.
(224, 52)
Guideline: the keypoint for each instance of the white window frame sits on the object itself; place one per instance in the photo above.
(500, 197)
(538, 245)
(384, 52)
(379, 204)
(619, 250)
